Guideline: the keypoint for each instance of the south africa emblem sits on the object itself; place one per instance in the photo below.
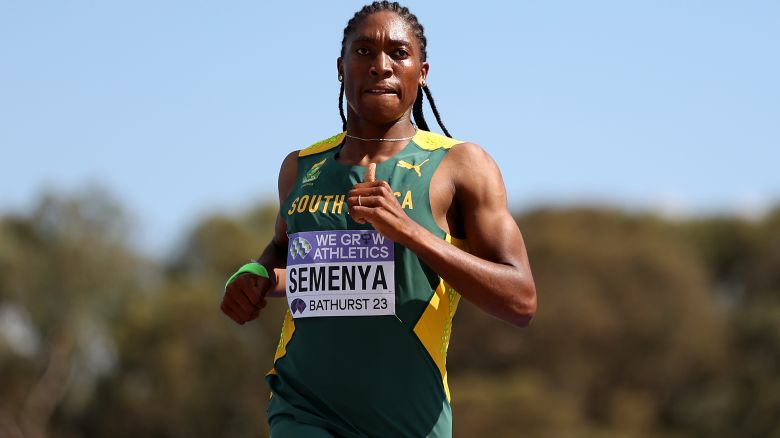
(314, 172)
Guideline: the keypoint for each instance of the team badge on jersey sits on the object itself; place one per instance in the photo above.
(314, 172)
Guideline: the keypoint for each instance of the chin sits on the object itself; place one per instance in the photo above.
(378, 111)
(382, 118)
(380, 114)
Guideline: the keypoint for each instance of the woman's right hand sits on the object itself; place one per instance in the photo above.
(245, 297)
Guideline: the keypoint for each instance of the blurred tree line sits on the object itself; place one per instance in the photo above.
(646, 327)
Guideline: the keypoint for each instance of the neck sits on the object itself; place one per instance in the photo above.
(375, 148)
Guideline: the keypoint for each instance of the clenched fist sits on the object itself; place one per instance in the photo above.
(245, 297)
(373, 201)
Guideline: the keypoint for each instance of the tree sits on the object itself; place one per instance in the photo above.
(66, 273)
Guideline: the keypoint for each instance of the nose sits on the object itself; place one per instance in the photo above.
(381, 66)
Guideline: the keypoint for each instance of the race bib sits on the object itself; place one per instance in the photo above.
(340, 273)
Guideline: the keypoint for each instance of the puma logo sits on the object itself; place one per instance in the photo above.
(415, 167)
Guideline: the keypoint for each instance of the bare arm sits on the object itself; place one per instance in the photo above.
(274, 256)
(245, 296)
(495, 274)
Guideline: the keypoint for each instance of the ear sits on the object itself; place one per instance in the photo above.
(423, 74)
(340, 66)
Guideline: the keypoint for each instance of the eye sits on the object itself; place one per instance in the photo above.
(361, 51)
(401, 54)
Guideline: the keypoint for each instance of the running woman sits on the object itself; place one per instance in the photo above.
(382, 228)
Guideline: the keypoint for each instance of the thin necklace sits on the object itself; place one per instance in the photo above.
(383, 139)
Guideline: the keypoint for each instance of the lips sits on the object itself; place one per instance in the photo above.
(380, 90)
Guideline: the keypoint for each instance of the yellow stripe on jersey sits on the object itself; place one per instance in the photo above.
(427, 140)
(431, 141)
(288, 328)
(322, 146)
(435, 325)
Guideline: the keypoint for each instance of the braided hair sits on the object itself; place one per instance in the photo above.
(419, 33)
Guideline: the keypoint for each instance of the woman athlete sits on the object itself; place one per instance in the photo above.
(381, 229)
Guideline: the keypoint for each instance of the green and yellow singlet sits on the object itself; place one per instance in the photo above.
(364, 342)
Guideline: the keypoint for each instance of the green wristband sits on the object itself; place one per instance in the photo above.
(252, 268)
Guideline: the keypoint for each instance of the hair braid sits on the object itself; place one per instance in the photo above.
(435, 111)
(341, 108)
(419, 33)
(417, 112)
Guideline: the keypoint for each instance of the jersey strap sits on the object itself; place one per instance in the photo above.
(323, 145)
(431, 141)
(426, 140)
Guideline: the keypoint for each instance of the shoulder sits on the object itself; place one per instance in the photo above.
(290, 163)
(466, 166)
(287, 175)
(458, 150)
(289, 168)
(471, 160)
(476, 175)
(470, 152)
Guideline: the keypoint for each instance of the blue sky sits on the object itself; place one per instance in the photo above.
(185, 108)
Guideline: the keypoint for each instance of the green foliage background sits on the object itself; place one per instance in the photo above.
(646, 327)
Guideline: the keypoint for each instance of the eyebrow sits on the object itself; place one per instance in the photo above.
(368, 39)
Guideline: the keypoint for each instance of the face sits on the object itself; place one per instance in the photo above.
(382, 68)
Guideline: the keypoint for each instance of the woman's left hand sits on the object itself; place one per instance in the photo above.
(373, 201)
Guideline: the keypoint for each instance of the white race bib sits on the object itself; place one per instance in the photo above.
(340, 273)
